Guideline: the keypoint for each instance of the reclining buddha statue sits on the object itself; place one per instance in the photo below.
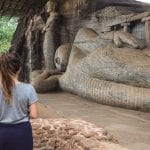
(113, 72)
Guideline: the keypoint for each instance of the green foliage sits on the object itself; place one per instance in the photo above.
(7, 28)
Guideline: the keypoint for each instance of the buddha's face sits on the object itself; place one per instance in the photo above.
(50, 6)
(62, 56)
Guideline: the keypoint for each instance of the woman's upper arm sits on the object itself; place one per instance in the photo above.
(33, 114)
(32, 103)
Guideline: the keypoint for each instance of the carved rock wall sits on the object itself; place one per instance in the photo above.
(29, 37)
(94, 14)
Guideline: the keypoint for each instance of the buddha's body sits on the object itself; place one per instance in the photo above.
(109, 75)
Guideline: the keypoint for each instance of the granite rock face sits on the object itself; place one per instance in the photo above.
(86, 13)
(42, 33)
(118, 30)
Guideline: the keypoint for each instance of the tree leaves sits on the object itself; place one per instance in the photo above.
(7, 28)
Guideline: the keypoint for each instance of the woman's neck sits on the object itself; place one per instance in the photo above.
(15, 79)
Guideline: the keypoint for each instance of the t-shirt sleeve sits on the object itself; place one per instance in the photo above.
(32, 95)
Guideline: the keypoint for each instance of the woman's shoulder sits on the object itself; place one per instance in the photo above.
(24, 85)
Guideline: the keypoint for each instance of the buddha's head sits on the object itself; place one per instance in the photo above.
(62, 57)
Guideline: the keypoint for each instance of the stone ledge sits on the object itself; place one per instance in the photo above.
(71, 134)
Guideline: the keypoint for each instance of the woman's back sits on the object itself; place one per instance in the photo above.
(17, 105)
(23, 95)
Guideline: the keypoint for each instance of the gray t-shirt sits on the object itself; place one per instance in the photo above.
(23, 95)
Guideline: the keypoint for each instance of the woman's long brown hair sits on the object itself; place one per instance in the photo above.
(9, 66)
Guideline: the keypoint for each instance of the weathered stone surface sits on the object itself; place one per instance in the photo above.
(71, 134)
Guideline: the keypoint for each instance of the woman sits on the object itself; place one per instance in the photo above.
(17, 105)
